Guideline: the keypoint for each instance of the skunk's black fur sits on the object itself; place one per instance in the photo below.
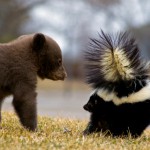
(115, 120)
(121, 82)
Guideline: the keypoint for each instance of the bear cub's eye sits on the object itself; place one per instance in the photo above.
(59, 61)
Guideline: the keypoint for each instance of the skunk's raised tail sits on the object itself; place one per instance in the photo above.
(114, 59)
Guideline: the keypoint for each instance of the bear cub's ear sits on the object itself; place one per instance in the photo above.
(38, 41)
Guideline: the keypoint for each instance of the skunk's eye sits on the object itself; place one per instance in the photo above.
(96, 101)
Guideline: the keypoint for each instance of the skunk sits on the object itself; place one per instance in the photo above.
(121, 82)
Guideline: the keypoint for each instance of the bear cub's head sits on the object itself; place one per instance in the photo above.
(49, 56)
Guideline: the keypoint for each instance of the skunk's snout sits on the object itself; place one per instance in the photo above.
(86, 107)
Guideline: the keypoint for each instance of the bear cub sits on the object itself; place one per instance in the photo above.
(21, 61)
(117, 120)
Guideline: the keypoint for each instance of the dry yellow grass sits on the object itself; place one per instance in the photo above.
(62, 134)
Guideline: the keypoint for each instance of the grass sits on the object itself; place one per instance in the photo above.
(62, 134)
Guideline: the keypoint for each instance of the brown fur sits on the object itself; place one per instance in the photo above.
(21, 61)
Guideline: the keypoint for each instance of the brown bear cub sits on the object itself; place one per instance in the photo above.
(21, 61)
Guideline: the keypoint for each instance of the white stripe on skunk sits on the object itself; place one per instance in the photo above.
(116, 63)
(141, 95)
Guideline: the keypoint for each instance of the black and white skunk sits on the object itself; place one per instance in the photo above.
(120, 102)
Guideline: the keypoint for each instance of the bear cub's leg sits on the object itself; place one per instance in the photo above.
(25, 107)
(1, 101)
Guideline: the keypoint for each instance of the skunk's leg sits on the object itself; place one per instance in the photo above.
(91, 128)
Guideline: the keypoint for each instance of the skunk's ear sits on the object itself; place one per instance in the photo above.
(38, 41)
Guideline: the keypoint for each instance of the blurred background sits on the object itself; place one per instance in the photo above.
(71, 23)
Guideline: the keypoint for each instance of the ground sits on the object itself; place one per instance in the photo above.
(62, 134)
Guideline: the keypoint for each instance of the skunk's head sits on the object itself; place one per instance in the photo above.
(113, 64)
(94, 103)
